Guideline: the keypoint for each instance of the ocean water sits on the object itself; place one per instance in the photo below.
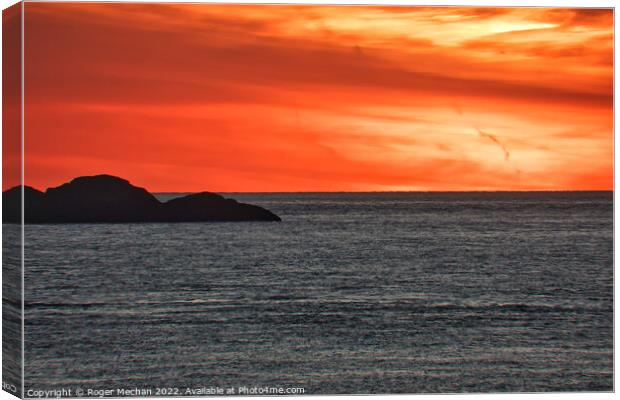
(350, 293)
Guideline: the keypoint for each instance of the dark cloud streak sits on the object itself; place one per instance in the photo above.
(495, 140)
(132, 56)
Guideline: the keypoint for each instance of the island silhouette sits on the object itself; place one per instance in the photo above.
(110, 199)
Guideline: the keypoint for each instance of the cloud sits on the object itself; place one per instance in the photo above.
(495, 140)
(128, 62)
(314, 97)
(457, 108)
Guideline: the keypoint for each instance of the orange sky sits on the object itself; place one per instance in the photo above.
(182, 97)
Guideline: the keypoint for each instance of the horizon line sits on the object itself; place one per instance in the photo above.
(403, 191)
(355, 191)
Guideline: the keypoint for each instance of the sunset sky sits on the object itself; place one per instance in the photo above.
(224, 98)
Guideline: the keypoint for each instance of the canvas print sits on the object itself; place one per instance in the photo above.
(232, 199)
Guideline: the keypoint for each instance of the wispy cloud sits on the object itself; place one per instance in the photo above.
(495, 140)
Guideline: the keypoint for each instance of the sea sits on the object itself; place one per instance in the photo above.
(352, 293)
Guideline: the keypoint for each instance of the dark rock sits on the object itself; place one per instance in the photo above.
(101, 198)
(213, 207)
(106, 198)
(34, 202)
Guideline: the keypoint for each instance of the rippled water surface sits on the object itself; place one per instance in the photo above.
(351, 293)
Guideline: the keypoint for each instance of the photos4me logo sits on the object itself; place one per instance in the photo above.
(9, 387)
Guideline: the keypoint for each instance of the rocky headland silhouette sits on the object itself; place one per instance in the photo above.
(110, 199)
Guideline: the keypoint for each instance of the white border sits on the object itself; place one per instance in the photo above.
(483, 3)
(497, 3)
(23, 109)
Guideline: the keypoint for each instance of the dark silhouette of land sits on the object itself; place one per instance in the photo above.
(106, 198)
